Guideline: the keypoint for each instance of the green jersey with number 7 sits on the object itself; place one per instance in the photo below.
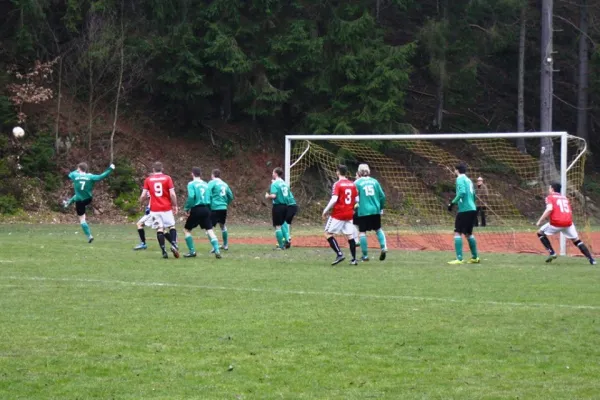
(83, 183)
(371, 199)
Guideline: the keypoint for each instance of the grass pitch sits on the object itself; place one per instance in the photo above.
(100, 321)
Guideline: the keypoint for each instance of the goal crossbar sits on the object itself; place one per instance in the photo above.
(442, 136)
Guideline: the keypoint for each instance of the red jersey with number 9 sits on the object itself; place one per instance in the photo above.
(343, 210)
(159, 185)
(561, 215)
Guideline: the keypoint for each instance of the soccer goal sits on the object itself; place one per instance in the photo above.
(417, 174)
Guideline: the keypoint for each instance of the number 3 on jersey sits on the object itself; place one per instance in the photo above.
(158, 189)
(348, 197)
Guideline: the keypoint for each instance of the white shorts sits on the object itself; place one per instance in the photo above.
(336, 226)
(145, 220)
(569, 231)
(160, 219)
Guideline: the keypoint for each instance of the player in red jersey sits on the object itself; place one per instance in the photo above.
(343, 198)
(163, 202)
(559, 210)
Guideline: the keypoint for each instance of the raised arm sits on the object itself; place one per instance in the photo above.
(104, 174)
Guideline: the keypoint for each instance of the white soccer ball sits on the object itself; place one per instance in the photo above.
(18, 132)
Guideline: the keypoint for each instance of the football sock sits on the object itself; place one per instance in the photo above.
(364, 245)
(161, 240)
(381, 238)
(473, 246)
(173, 233)
(458, 247)
(583, 248)
(334, 245)
(189, 240)
(352, 244)
(225, 237)
(285, 230)
(142, 234)
(86, 229)
(546, 242)
(279, 236)
(214, 241)
(168, 236)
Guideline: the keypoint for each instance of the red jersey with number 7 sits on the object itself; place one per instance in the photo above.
(343, 210)
(159, 185)
(561, 215)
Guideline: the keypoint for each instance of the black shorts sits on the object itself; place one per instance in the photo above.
(218, 217)
(199, 215)
(369, 223)
(291, 213)
(279, 214)
(464, 222)
(81, 205)
(355, 219)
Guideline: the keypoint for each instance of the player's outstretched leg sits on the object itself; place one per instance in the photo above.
(382, 244)
(546, 242)
(189, 241)
(225, 236)
(214, 242)
(160, 236)
(364, 246)
(336, 249)
(584, 250)
(473, 247)
(458, 248)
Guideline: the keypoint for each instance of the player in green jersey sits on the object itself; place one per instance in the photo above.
(198, 208)
(466, 216)
(83, 183)
(371, 201)
(286, 228)
(221, 197)
(279, 193)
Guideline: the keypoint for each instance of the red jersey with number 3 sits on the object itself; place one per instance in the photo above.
(343, 210)
(561, 215)
(159, 185)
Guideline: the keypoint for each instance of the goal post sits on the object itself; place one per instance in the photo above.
(415, 166)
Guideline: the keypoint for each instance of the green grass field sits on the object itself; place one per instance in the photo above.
(100, 321)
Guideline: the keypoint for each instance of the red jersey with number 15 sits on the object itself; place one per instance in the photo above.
(561, 215)
(159, 185)
(343, 210)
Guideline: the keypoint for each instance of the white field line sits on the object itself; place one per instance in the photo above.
(302, 292)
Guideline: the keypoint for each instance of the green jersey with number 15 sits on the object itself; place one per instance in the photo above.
(83, 183)
(465, 194)
(371, 198)
(221, 194)
(281, 191)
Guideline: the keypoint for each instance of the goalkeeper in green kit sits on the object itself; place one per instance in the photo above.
(83, 183)
(371, 201)
(466, 216)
